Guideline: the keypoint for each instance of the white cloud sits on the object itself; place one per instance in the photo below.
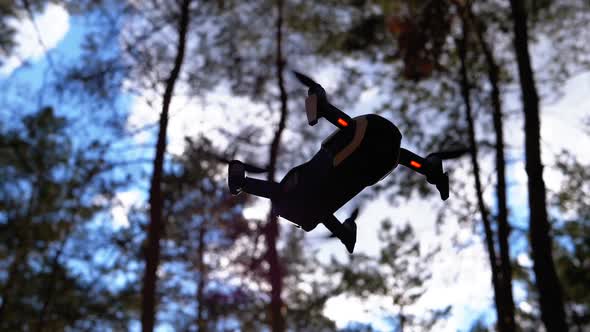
(258, 210)
(461, 279)
(345, 310)
(53, 24)
(562, 128)
(524, 260)
(124, 201)
(191, 116)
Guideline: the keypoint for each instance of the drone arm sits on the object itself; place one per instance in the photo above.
(318, 107)
(336, 116)
(238, 181)
(260, 188)
(413, 161)
(431, 167)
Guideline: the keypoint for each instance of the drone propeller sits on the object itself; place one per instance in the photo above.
(254, 169)
(317, 104)
(247, 167)
(450, 154)
(305, 80)
(314, 88)
(225, 160)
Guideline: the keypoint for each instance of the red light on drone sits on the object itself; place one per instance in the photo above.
(415, 164)
(342, 122)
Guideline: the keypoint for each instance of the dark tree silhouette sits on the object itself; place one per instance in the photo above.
(546, 280)
(572, 247)
(483, 210)
(505, 322)
(156, 225)
(271, 229)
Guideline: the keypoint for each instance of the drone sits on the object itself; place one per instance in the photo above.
(361, 152)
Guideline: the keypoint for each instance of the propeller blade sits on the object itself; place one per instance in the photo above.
(450, 154)
(254, 169)
(305, 80)
(221, 159)
(247, 167)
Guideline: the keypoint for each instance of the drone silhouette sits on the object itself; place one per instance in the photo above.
(361, 152)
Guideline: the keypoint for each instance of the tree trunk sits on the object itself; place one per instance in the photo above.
(10, 289)
(50, 288)
(503, 225)
(489, 235)
(546, 280)
(402, 319)
(156, 225)
(201, 284)
(277, 321)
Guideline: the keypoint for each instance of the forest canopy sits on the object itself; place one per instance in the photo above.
(118, 118)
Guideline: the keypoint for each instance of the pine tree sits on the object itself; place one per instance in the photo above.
(51, 194)
(399, 273)
(546, 279)
(203, 242)
(572, 245)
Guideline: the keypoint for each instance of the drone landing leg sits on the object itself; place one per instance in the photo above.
(345, 232)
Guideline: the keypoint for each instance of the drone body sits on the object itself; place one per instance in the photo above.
(362, 151)
(348, 161)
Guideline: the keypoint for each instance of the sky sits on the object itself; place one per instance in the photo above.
(54, 23)
(460, 278)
